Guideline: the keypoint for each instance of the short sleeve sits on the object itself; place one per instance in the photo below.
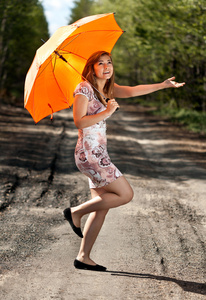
(84, 88)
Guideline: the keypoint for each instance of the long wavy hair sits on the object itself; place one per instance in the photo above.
(89, 74)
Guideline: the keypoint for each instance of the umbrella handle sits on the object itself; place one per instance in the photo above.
(108, 100)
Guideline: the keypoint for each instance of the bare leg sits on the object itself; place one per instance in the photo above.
(116, 193)
(91, 230)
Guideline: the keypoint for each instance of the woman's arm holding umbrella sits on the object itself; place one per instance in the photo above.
(82, 120)
(138, 90)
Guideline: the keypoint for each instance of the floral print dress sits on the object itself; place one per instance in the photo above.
(91, 154)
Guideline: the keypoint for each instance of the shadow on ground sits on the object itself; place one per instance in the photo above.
(187, 286)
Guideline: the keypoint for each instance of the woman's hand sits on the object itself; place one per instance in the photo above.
(112, 105)
(170, 83)
(81, 119)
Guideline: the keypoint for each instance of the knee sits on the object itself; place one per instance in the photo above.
(128, 196)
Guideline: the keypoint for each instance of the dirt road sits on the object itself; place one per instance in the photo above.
(154, 247)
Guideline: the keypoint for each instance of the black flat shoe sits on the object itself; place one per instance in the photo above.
(68, 217)
(80, 265)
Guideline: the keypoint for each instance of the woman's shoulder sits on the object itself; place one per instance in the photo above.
(84, 84)
(84, 88)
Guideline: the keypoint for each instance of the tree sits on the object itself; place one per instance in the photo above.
(81, 9)
(23, 24)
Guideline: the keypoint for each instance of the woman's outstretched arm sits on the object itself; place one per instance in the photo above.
(138, 90)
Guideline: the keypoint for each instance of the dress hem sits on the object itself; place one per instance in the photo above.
(92, 185)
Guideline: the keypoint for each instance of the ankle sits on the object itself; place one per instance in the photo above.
(75, 212)
(81, 256)
(85, 259)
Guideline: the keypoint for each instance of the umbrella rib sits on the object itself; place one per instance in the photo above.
(44, 67)
(61, 89)
(87, 32)
(68, 42)
(69, 52)
(56, 55)
(47, 65)
(55, 62)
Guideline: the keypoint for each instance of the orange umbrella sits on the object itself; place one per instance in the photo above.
(58, 64)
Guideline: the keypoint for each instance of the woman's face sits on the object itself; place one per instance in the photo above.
(104, 68)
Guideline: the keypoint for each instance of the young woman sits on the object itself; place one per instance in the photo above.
(109, 188)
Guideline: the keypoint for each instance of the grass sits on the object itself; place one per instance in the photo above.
(193, 120)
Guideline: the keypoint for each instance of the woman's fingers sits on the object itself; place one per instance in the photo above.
(112, 105)
(171, 83)
(172, 78)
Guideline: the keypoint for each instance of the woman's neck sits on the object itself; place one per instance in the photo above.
(100, 88)
(100, 85)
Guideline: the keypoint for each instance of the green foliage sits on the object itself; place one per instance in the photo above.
(162, 39)
(23, 24)
(81, 9)
(193, 120)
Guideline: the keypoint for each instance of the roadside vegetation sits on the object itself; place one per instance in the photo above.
(193, 120)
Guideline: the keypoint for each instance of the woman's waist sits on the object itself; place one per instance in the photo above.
(92, 131)
(91, 140)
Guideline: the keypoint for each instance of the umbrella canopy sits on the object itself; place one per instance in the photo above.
(58, 64)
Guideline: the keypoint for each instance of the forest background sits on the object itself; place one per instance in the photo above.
(163, 38)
